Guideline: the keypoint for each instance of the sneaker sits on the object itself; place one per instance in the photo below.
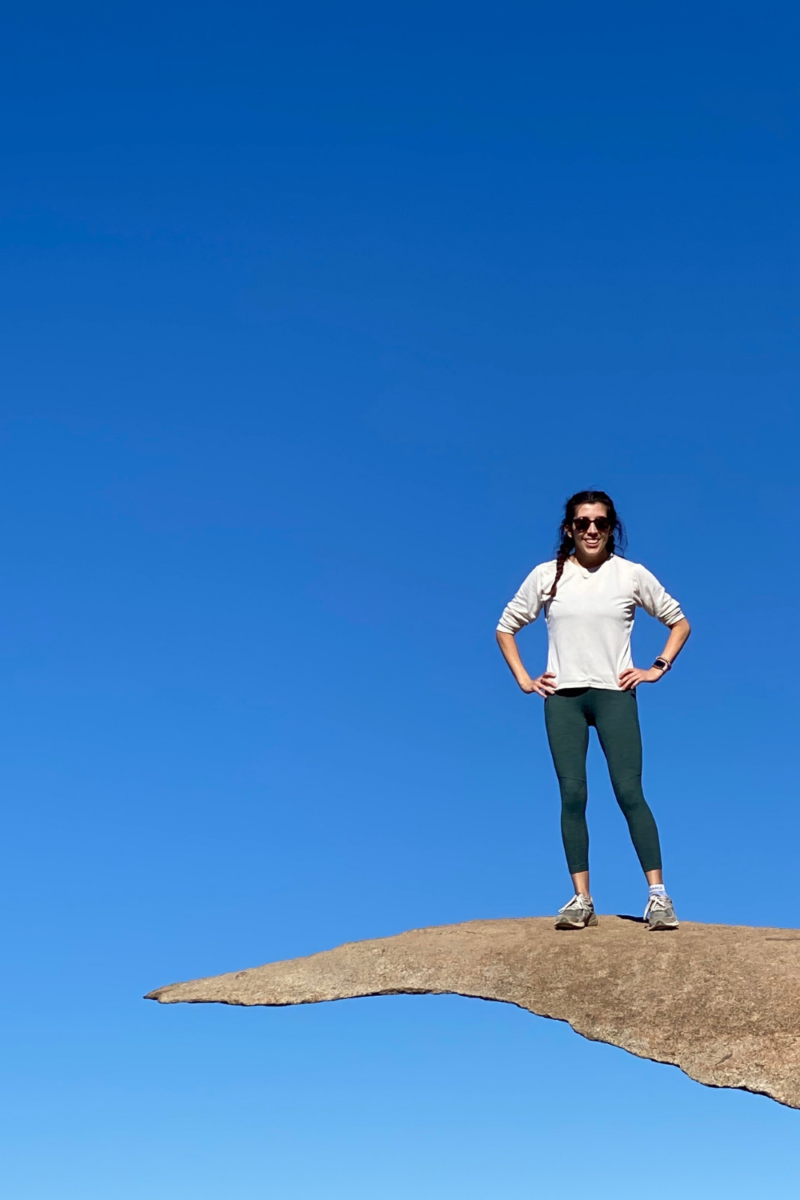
(577, 914)
(660, 914)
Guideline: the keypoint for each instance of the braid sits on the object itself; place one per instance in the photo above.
(561, 561)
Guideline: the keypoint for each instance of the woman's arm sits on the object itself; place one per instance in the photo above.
(678, 636)
(542, 685)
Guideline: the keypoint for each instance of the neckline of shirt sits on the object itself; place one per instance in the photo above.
(587, 572)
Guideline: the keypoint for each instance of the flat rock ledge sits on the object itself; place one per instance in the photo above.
(721, 1002)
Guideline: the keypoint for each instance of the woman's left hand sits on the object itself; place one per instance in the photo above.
(632, 677)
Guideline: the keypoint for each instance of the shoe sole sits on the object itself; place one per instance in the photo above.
(574, 925)
(662, 927)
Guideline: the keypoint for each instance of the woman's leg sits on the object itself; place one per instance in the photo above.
(568, 735)
(616, 717)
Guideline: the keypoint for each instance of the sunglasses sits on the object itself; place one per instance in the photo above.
(583, 524)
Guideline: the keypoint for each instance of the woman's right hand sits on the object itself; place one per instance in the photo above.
(543, 685)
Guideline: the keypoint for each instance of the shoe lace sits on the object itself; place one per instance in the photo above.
(658, 901)
(576, 902)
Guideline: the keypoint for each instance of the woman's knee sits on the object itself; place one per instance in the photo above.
(573, 796)
(630, 797)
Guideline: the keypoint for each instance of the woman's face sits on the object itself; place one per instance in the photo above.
(591, 542)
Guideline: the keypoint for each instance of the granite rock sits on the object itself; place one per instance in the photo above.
(721, 1002)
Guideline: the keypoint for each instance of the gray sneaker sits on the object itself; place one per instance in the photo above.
(660, 914)
(577, 914)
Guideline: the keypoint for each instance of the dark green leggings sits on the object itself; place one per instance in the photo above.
(568, 715)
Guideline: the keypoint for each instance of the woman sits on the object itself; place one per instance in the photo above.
(589, 595)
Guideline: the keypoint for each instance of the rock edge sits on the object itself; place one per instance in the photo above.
(720, 1002)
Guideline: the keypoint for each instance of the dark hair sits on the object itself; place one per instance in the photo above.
(564, 547)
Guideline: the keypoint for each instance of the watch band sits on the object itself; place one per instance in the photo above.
(662, 664)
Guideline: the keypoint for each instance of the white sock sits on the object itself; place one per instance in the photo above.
(657, 889)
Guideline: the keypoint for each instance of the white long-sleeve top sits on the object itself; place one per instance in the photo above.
(590, 620)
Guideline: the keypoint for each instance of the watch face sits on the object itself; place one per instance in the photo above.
(661, 663)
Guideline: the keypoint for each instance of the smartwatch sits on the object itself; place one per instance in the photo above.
(663, 664)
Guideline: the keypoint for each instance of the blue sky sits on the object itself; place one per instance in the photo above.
(312, 317)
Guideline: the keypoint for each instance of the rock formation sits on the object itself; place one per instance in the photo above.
(721, 1002)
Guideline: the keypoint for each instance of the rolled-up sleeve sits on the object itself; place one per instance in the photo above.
(525, 607)
(650, 595)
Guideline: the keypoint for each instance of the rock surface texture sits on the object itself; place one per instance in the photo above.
(721, 1002)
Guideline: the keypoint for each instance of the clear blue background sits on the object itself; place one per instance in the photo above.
(312, 316)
